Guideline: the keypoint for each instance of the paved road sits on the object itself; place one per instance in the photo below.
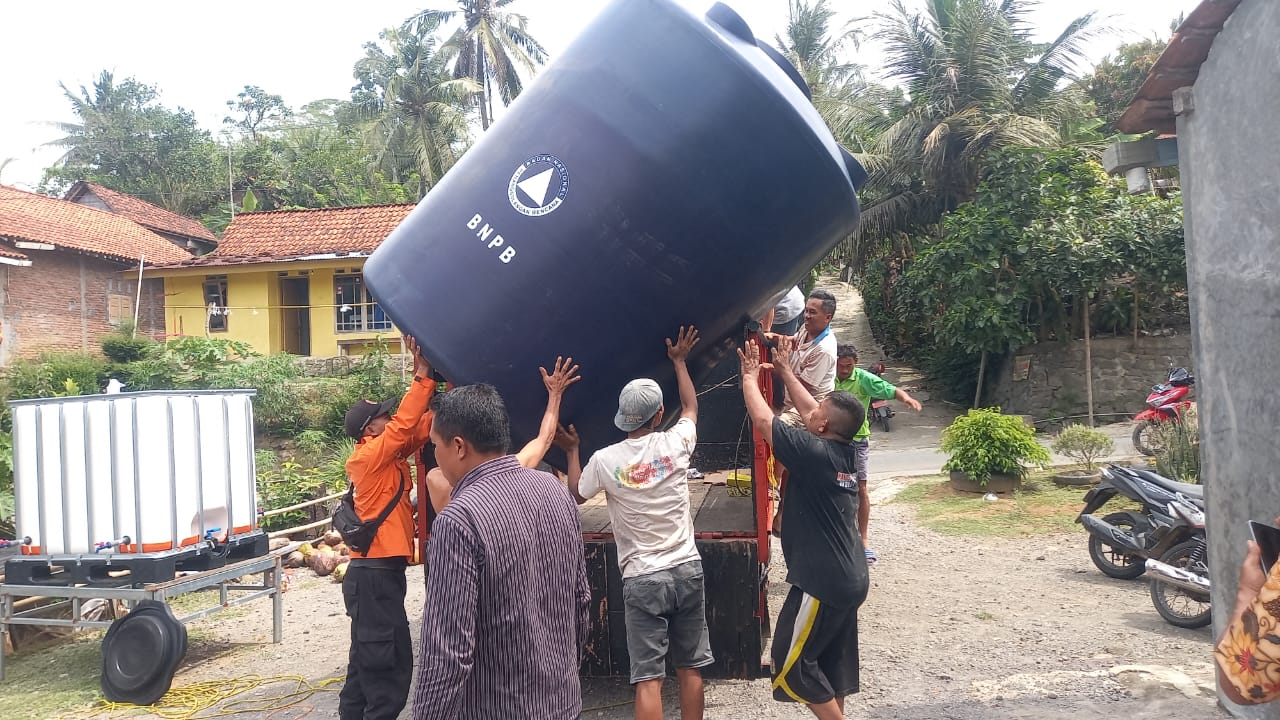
(910, 448)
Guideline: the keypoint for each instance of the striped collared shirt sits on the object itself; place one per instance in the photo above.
(506, 615)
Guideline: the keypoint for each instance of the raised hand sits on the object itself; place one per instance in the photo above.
(749, 361)
(782, 353)
(421, 368)
(684, 343)
(560, 378)
(567, 438)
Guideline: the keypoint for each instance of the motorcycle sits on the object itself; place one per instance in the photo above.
(1121, 542)
(1180, 578)
(1166, 403)
(881, 410)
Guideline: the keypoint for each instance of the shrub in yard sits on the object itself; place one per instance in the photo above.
(1179, 455)
(56, 375)
(318, 470)
(276, 405)
(124, 346)
(983, 442)
(1083, 444)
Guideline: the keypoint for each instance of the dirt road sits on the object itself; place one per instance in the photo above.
(953, 629)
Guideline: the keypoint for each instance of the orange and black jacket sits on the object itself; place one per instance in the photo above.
(377, 465)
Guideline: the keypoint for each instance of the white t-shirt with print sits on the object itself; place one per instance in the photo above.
(814, 364)
(646, 484)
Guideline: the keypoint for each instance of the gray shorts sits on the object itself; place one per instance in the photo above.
(862, 449)
(666, 609)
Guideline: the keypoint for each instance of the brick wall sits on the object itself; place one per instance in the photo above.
(61, 303)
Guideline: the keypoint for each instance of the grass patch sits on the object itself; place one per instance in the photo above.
(1039, 507)
(44, 682)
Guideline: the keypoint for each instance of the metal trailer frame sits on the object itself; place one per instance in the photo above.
(224, 578)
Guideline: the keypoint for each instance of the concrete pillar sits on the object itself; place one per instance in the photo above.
(1230, 164)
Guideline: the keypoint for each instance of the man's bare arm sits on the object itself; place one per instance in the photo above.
(801, 395)
(679, 353)
(757, 407)
(556, 382)
(567, 439)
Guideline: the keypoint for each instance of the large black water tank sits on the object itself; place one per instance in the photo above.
(667, 169)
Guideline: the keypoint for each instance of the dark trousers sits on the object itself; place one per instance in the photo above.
(381, 661)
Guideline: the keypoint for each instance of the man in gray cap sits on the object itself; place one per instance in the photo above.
(645, 479)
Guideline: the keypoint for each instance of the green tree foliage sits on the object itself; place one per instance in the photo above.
(489, 46)
(420, 126)
(255, 109)
(977, 82)
(855, 109)
(319, 157)
(126, 140)
(1047, 232)
(1116, 79)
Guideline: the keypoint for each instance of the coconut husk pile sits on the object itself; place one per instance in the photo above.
(325, 556)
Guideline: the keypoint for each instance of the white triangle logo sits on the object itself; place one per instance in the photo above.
(536, 186)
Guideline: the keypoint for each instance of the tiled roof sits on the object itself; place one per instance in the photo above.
(1178, 66)
(8, 252)
(291, 234)
(144, 213)
(36, 218)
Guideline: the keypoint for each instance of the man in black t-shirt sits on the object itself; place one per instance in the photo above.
(815, 645)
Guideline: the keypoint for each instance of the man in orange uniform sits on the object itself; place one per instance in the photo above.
(380, 665)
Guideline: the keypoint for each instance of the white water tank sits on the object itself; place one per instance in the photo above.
(146, 472)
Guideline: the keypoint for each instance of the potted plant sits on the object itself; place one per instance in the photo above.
(989, 451)
(1084, 445)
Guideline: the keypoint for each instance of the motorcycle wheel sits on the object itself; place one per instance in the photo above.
(884, 421)
(1146, 437)
(1112, 561)
(1177, 606)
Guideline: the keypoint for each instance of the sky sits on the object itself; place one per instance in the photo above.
(200, 54)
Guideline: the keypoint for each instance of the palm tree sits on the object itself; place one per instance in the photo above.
(97, 108)
(817, 54)
(976, 82)
(487, 46)
(418, 104)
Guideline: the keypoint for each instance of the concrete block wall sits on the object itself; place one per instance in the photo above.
(1123, 374)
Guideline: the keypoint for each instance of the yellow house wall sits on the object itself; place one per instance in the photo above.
(185, 311)
(325, 338)
(257, 288)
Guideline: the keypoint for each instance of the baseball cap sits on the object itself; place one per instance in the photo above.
(639, 401)
(360, 414)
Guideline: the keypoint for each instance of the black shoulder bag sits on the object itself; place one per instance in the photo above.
(356, 533)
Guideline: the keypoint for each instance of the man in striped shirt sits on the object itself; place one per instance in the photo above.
(506, 615)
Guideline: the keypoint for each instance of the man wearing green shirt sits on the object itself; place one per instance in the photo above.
(866, 387)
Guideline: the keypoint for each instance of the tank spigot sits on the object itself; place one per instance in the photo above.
(108, 544)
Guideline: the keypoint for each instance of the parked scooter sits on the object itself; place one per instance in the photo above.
(1180, 578)
(881, 410)
(1166, 403)
(1120, 542)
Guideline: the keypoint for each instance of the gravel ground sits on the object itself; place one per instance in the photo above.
(953, 628)
(964, 628)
